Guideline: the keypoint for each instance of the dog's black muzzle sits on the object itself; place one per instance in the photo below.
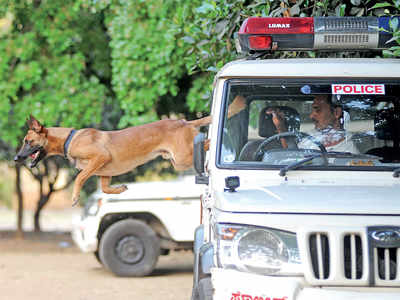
(37, 153)
(18, 158)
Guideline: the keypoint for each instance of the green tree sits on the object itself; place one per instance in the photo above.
(54, 64)
(148, 46)
(48, 69)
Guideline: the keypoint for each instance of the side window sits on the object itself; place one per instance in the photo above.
(234, 135)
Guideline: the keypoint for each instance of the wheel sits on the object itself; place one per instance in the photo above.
(129, 248)
(258, 154)
(96, 254)
(205, 289)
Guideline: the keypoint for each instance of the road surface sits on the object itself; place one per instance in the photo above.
(48, 266)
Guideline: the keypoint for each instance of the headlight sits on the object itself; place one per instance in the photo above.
(258, 250)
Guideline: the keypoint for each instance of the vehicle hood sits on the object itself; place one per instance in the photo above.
(323, 199)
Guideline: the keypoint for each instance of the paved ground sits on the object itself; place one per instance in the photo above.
(48, 266)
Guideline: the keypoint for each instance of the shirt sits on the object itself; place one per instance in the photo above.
(341, 138)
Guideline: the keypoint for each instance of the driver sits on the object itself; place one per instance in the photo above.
(328, 121)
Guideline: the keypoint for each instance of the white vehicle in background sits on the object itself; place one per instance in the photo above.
(128, 232)
(285, 216)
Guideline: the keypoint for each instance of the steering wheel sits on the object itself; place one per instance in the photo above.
(299, 134)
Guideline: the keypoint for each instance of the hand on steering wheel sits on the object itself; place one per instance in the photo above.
(259, 153)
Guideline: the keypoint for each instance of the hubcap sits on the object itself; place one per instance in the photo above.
(130, 249)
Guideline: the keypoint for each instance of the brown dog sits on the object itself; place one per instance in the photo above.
(112, 153)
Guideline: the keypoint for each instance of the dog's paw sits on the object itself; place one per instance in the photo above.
(75, 201)
(124, 188)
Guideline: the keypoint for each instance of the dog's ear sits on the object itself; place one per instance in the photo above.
(30, 121)
(35, 125)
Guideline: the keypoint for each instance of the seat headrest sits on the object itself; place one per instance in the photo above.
(387, 124)
(266, 127)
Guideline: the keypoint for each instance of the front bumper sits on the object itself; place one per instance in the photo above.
(235, 285)
(84, 233)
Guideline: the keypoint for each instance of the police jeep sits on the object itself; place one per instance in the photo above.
(304, 221)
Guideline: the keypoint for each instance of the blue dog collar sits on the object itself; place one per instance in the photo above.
(68, 141)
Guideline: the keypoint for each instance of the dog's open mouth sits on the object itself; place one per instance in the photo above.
(36, 156)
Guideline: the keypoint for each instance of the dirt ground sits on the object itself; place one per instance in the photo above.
(48, 266)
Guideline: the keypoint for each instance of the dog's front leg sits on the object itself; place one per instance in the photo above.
(94, 164)
(106, 188)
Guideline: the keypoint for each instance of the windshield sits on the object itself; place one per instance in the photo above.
(353, 124)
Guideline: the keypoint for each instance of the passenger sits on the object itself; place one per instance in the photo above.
(328, 121)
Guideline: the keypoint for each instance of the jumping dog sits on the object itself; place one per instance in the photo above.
(112, 153)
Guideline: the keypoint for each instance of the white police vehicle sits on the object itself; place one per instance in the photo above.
(302, 195)
(128, 232)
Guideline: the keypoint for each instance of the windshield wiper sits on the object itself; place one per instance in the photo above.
(396, 173)
(324, 155)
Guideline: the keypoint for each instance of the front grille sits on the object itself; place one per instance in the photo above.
(386, 263)
(362, 257)
(320, 258)
(353, 256)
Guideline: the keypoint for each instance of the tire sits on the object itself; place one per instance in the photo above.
(96, 255)
(129, 248)
(195, 294)
(206, 289)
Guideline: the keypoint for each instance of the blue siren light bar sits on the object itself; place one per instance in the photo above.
(318, 33)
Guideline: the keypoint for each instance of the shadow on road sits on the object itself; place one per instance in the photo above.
(171, 271)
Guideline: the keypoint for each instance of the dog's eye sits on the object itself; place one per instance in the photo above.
(28, 142)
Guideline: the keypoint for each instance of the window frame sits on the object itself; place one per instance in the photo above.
(296, 81)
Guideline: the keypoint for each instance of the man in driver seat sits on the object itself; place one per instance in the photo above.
(329, 130)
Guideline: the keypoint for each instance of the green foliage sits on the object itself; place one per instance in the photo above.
(48, 68)
(394, 51)
(147, 50)
(199, 96)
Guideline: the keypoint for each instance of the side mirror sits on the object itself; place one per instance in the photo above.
(199, 155)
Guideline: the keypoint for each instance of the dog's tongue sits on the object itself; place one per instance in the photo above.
(34, 155)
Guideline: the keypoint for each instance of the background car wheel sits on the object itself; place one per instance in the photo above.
(129, 248)
(96, 255)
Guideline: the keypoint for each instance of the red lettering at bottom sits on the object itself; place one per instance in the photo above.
(239, 296)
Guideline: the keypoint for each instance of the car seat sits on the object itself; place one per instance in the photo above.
(387, 128)
(266, 129)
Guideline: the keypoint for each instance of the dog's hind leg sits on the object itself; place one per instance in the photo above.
(106, 188)
(94, 164)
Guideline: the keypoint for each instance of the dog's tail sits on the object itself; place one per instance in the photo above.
(237, 105)
(201, 122)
